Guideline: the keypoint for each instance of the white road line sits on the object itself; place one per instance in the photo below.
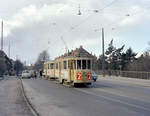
(114, 100)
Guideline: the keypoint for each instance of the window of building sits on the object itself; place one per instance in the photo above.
(83, 64)
(78, 64)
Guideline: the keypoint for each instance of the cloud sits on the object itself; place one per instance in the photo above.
(135, 16)
(37, 25)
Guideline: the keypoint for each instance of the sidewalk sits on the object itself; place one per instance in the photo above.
(141, 82)
(11, 100)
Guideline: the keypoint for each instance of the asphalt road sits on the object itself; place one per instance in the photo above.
(103, 98)
(11, 100)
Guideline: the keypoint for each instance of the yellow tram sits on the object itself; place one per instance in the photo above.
(49, 69)
(71, 68)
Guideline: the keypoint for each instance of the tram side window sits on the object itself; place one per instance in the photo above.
(74, 66)
(83, 64)
(48, 66)
(71, 64)
(59, 65)
(65, 64)
(78, 64)
(45, 66)
(89, 64)
(56, 65)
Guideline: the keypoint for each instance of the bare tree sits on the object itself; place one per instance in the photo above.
(18, 66)
(141, 64)
(3, 66)
(5, 63)
(43, 56)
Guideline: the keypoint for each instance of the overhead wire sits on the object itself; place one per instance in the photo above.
(109, 4)
(128, 15)
(87, 18)
(84, 20)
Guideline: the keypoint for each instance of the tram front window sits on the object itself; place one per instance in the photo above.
(78, 64)
(89, 64)
(83, 64)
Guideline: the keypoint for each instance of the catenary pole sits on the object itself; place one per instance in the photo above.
(103, 59)
(2, 35)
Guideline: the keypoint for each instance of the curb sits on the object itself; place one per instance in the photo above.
(32, 109)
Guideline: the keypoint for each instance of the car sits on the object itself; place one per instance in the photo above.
(26, 74)
(94, 76)
(1, 77)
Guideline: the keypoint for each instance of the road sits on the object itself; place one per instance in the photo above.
(106, 97)
(12, 102)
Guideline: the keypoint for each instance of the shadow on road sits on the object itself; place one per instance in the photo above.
(100, 85)
(93, 85)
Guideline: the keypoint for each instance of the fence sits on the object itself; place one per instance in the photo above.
(130, 74)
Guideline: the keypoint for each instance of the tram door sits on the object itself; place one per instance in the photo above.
(71, 67)
(60, 70)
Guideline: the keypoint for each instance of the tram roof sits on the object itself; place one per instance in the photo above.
(78, 52)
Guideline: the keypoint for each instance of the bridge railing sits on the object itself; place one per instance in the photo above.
(130, 74)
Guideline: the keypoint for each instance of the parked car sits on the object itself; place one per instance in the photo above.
(1, 77)
(27, 74)
(94, 76)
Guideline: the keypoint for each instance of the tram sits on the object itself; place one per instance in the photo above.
(72, 68)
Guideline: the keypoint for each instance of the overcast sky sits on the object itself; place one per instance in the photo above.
(32, 26)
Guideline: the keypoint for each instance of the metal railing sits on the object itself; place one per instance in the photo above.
(130, 74)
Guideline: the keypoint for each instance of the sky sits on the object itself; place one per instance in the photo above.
(32, 26)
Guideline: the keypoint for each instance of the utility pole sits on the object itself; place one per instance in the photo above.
(2, 36)
(103, 62)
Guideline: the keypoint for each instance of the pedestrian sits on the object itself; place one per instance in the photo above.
(35, 74)
(40, 73)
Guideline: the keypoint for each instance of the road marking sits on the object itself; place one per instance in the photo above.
(114, 100)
